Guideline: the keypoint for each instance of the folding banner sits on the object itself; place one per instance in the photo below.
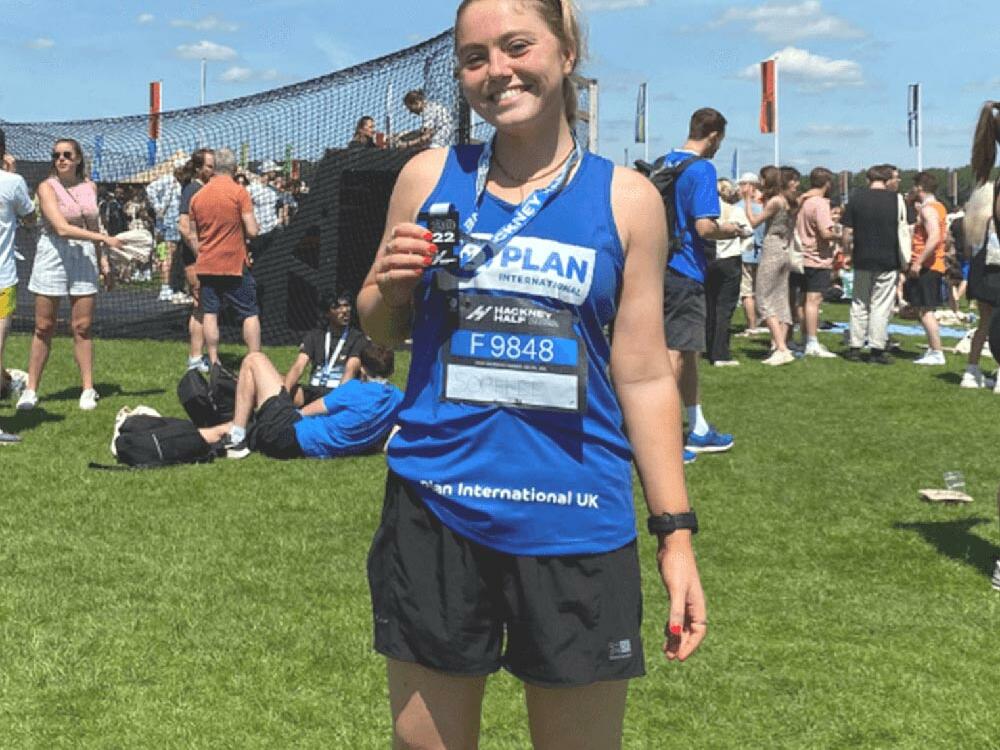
(768, 98)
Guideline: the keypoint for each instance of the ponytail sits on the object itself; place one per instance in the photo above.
(984, 143)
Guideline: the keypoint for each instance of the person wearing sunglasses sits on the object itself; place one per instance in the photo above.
(66, 264)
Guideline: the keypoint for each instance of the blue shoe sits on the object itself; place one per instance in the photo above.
(712, 441)
(689, 457)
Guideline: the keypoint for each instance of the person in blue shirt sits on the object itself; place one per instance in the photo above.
(508, 535)
(697, 210)
(355, 418)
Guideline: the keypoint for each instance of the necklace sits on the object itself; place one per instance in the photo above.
(535, 178)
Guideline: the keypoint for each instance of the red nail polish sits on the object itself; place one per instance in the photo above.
(432, 249)
(428, 260)
(428, 236)
(675, 630)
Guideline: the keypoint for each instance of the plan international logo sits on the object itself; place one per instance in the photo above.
(544, 268)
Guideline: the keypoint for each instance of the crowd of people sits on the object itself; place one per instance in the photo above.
(510, 463)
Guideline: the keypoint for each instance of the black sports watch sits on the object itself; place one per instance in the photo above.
(668, 523)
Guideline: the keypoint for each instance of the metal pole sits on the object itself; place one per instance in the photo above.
(920, 128)
(777, 118)
(625, 164)
(645, 153)
(594, 121)
(204, 64)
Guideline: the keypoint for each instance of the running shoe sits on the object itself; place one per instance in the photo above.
(725, 363)
(235, 450)
(975, 379)
(88, 399)
(200, 364)
(995, 579)
(818, 350)
(7, 438)
(712, 441)
(779, 357)
(932, 358)
(689, 456)
(28, 400)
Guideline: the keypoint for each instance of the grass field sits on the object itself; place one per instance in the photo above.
(226, 606)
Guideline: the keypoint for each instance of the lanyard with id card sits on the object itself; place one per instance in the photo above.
(329, 375)
(506, 351)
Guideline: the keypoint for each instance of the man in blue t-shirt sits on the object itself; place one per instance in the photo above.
(355, 418)
(697, 209)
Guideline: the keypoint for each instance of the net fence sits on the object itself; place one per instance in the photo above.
(320, 199)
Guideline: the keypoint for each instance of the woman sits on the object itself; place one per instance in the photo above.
(980, 235)
(66, 263)
(509, 486)
(723, 276)
(364, 133)
(780, 189)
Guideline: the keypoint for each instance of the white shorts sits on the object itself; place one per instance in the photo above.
(64, 267)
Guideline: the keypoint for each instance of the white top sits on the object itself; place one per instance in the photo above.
(14, 201)
(737, 245)
(265, 206)
(437, 119)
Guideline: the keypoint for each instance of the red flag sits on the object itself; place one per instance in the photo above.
(154, 110)
(768, 112)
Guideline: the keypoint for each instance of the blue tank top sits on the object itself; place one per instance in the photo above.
(519, 461)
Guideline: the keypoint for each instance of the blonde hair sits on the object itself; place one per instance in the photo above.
(563, 20)
(727, 191)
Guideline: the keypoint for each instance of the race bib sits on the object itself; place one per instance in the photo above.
(512, 352)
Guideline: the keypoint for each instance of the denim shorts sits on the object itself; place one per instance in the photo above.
(239, 291)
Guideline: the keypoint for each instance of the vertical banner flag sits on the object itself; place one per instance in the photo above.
(289, 151)
(95, 170)
(768, 113)
(913, 114)
(735, 168)
(640, 115)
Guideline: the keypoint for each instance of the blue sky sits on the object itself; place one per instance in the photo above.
(842, 88)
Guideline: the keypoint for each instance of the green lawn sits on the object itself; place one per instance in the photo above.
(226, 606)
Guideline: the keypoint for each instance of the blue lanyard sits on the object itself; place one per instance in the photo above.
(528, 209)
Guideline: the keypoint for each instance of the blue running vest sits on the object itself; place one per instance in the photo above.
(525, 481)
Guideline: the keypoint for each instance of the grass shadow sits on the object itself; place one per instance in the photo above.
(21, 421)
(949, 377)
(103, 390)
(954, 539)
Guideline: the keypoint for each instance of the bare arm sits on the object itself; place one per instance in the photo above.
(295, 371)
(186, 227)
(385, 302)
(770, 209)
(929, 218)
(249, 225)
(314, 409)
(650, 400)
(62, 228)
(351, 369)
(713, 229)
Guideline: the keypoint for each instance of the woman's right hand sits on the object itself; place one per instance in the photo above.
(114, 242)
(402, 263)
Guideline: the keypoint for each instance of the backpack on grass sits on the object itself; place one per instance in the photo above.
(211, 402)
(664, 178)
(146, 442)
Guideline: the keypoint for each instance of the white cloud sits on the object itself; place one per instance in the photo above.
(145, 18)
(207, 50)
(834, 131)
(788, 22)
(208, 23)
(592, 5)
(236, 74)
(811, 72)
(41, 43)
(239, 74)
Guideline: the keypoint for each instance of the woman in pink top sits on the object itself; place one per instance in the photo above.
(66, 263)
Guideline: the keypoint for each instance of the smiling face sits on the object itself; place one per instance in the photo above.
(511, 66)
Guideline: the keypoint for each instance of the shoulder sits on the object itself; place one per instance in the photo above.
(419, 176)
(636, 204)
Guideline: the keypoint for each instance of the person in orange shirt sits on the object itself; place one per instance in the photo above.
(926, 269)
(222, 217)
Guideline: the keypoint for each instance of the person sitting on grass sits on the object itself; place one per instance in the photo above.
(355, 418)
(332, 349)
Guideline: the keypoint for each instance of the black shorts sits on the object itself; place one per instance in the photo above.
(683, 313)
(815, 280)
(273, 430)
(310, 393)
(449, 604)
(925, 290)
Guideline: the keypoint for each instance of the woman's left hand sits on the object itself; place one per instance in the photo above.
(688, 621)
(106, 274)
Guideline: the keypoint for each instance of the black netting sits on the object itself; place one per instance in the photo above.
(330, 230)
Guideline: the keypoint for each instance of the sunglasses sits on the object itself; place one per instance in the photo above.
(68, 155)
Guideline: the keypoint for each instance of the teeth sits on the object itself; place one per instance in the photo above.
(507, 94)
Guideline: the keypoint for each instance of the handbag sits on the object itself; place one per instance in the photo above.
(903, 233)
(992, 243)
(796, 255)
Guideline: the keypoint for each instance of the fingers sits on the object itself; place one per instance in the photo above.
(687, 623)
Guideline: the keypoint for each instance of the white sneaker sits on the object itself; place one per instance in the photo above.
(779, 357)
(725, 363)
(18, 382)
(200, 364)
(932, 358)
(973, 379)
(28, 400)
(818, 350)
(88, 399)
(165, 294)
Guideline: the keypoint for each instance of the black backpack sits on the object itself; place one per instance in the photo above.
(148, 442)
(664, 178)
(208, 403)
